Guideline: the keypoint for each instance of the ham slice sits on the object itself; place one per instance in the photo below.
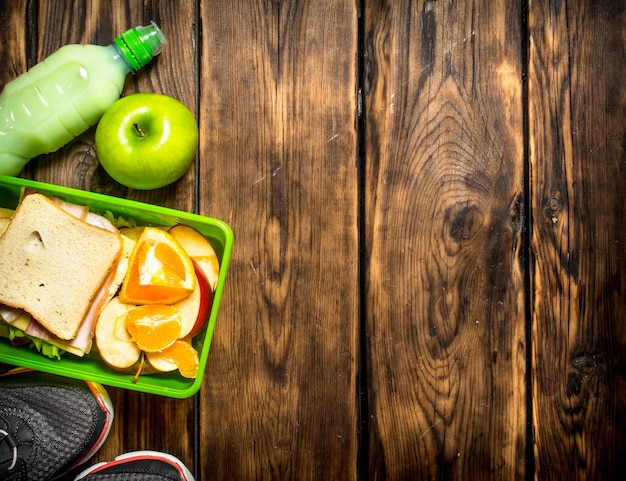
(78, 211)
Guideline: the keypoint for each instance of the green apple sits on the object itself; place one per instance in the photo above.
(146, 140)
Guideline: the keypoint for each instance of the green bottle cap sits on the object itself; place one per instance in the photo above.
(140, 44)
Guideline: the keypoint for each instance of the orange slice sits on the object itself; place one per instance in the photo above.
(159, 270)
(153, 327)
(185, 356)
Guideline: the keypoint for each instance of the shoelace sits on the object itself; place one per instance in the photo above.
(9, 439)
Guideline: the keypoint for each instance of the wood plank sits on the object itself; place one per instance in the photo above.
(13, 41)
(141, 420)
(577, 151)
(443, 217)
(278, 109)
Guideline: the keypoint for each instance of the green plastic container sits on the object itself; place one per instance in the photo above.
(91, 367)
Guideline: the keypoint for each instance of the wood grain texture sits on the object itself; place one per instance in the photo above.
(394, 274)
(444, 196)
(278, 109)
(577, 146)
(13, 54)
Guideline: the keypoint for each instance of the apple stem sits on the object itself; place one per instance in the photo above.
(139, 131)
(139, 369)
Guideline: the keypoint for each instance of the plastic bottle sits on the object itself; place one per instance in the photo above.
(65, 94)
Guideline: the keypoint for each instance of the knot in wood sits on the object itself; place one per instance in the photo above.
(555, 204)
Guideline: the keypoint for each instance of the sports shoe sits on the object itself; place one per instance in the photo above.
(49, 424)
(139, 466)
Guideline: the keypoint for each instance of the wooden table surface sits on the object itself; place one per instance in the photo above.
(428, 279)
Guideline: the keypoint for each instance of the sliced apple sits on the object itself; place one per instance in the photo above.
(128, 244)
(195, 309)
(113, 340)
(199, 249)
(159, 362)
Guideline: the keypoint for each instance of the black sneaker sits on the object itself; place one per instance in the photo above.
(139, 466)
(49, 424)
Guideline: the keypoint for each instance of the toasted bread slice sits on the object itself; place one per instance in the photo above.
(52, 264)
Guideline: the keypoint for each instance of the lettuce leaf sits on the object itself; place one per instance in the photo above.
(119, 222)
(17, 337)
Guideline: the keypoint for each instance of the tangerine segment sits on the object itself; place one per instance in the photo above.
(185, 356)
(159, 270)
(153, 327)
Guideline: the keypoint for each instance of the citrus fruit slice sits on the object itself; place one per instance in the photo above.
(159, 270)
(185, 356)
(153, 327)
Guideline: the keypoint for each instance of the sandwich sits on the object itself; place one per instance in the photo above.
(59, 265)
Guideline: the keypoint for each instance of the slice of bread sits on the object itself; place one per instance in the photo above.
(52, 264)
